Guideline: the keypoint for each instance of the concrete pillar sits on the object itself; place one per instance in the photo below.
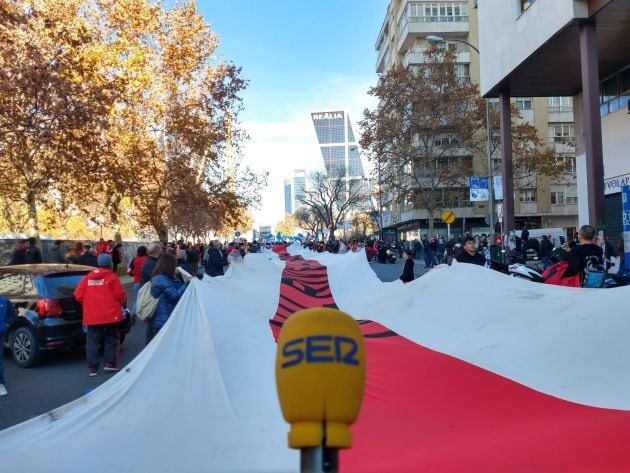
(506, 164)
(592, 125)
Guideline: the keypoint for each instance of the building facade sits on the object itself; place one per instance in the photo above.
(294, 191)
(340, 152)
(574, 48)
(406, 32)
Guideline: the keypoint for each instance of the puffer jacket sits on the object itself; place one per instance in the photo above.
(102, 296)
(168, 291)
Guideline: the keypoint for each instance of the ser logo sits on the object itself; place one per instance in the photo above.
(320, 349)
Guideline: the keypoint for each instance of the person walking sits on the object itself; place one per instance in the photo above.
(57, 254)
(116, 256)
(20, 254)
(135, 270)
(167, 289)
(215, 260)
(407, 275)
(148, 266)
(103, 297)
(524, 242)
(546, 251)
(33, 253)
(8, 315)
(74, 255)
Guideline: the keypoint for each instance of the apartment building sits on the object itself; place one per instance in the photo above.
(405, 33)
(574, 48)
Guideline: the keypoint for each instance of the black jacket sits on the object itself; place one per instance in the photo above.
(578, 256)
(215, 262)
(407, 274)
(462, 256)
(546, 249)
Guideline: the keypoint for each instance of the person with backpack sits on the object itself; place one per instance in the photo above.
(168, 289)
(587, 259)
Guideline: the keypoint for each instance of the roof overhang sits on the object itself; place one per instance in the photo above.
(554, 69)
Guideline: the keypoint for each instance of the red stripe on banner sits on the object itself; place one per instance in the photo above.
(427, 411)
(304, 284)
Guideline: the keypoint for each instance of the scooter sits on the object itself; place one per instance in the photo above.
(391, 256)
(522, 271)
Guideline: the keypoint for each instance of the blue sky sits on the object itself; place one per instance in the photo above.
(299, 56)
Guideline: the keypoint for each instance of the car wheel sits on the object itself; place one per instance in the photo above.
(24, 347)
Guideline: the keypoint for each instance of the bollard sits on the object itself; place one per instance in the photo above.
(320, 378)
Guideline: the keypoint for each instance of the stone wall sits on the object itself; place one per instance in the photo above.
(7, 246)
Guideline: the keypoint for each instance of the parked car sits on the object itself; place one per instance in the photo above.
(49, 317)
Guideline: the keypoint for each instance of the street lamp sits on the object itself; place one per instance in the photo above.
(440, 39)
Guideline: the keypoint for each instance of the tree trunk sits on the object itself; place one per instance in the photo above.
(33, 224)
(431, 226)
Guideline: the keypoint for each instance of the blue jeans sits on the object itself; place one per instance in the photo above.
(427, 259)
(2, 358)
(136, 289)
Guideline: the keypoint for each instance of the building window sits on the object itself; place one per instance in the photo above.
(527, 195)
(559, 104)
(525, 4)
(557, 198)
(567, 162)
(614, 92)
(571, 199)
(524, 104)
(561, 133)
(462, 71)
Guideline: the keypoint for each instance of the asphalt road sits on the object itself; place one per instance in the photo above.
(62, 376)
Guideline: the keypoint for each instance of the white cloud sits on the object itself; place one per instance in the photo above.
(283, 139)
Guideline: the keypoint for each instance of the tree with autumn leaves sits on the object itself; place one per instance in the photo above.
(122, 109)
(426, 129)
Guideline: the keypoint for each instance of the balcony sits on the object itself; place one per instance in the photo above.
(416, 56)
(422, 26)
(383, 59)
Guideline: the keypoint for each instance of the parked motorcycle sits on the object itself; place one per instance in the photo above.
(522, 271)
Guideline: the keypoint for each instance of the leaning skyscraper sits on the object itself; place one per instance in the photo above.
(340, 150)
(337, 144)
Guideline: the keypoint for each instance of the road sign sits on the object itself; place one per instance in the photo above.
(448, 217)
(500, 211)
(238, 234)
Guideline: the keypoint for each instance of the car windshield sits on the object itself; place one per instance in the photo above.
(57, 286)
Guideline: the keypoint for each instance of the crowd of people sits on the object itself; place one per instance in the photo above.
(169, 268)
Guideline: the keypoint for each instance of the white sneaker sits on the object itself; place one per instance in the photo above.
(3, 390)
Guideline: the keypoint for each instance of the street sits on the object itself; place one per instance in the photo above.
(62, 375)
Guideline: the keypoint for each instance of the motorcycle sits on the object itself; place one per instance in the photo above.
(522, 271)
(391, 256)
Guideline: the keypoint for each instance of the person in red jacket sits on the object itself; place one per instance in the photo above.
(102, 296)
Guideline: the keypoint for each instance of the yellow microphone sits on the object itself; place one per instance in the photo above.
(320, 377)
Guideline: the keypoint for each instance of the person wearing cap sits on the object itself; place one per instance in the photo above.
(102, 296)
(469, 254)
